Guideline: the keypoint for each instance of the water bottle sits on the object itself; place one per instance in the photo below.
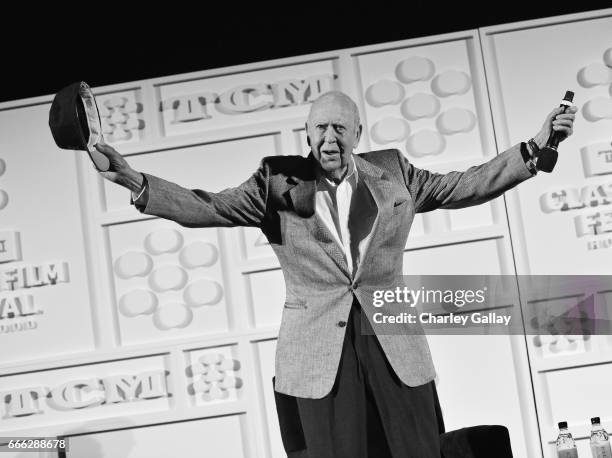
(600, 443)
(566, 447)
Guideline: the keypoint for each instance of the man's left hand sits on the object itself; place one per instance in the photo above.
(557, 121)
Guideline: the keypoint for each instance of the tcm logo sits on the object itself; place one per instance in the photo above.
(84, 393)
(248, 98)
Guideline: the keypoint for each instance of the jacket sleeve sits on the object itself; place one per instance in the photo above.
(243, 205)
(476, 185)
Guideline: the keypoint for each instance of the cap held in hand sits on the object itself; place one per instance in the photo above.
(75, 122)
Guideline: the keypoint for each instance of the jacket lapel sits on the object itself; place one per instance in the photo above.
(381, 190)
(302, 192)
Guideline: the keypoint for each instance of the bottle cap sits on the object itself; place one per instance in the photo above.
(595, 420)
(562, 425)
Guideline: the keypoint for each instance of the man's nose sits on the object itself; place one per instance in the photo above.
(330, 135)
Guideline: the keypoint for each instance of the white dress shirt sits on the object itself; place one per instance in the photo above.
(348, 210)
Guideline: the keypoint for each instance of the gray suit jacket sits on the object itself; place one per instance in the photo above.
(279, 198)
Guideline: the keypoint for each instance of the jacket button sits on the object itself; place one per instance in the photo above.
(341, 324)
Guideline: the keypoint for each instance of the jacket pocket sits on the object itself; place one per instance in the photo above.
(295, 305)
(399, 207)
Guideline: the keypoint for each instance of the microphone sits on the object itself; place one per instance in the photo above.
(547, 156)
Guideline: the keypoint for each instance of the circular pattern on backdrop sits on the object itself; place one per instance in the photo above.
(597, 108)
(137, 302)
(134, 123)
(228, 365)
(172, 315)
(133, 264)
(229, 383)
(451, 82)
(4, 198)
(594, 75)
(107, 129)
(420, 105)
(213, 375)
(607, 57)
(390, 130)
(163, 241)
(115, 101)
(425, 143)
(209, 359)
(121, 135)
(203, 292)
(198, 254)
(213, 381)
(118, 118)
(215, 393)
(384, 92)
(200, 386)
(169, 277)
(456, 120)
(132, 106)
(413, 69)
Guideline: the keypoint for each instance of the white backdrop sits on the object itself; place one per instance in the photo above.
(138, 337)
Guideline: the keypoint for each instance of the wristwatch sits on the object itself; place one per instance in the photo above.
(529, 151)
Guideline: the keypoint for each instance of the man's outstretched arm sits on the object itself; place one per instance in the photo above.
(480, 183)
(243, 205)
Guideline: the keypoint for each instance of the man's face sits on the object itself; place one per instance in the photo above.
(333, 132)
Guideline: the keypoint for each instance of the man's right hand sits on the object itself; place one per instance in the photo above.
(119, 171)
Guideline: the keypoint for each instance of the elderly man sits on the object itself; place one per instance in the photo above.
(338, 223)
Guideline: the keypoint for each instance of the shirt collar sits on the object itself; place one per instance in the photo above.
(351, 176)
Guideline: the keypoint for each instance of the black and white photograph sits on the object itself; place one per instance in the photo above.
(320, 231)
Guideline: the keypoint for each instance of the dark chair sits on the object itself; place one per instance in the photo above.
(484, 441)
(477, 442)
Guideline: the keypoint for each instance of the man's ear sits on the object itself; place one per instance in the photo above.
(307, 136)
(359, 129)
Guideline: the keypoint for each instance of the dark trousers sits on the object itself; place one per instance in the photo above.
(369, 412)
